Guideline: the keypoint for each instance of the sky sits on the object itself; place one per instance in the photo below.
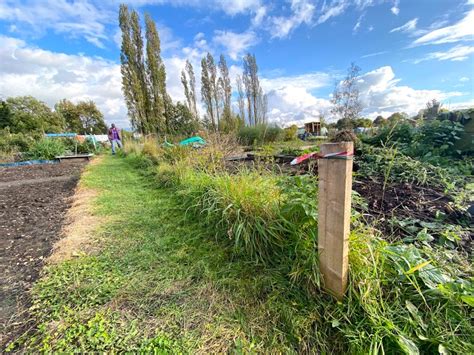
(409, 51)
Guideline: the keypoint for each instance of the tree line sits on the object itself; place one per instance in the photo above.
(26, 114)
(151, 109)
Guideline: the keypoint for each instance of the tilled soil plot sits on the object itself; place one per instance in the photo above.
(33, 203)
(409, 201)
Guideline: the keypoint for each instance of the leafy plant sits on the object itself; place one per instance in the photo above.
(47, 148)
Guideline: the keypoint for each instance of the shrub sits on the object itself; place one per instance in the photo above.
(47, 148)
(256, 135)
(437, 137)
(290, 132)
(15, 142)
(395, 133)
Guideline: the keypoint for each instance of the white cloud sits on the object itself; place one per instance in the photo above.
(236, 7)
(294, 105)
(358, 23)
(309, 81)
(235, 44)
(334, 9)
(75, 19)
(461, 31)
(395, 8)
(457, 53)
(374, 54)
(464, 78)
(408, 27)
(381, 92)
(260, 14)
(51, 76)
(291, 101)
(302, 13)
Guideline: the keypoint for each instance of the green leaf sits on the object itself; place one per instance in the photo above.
(469, 299)
(417, 267)
(442, 350)
(408, 346)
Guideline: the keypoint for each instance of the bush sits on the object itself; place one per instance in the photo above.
(437, 137)
(397, 133)
(84, 147)
(291, 133)
(47, 149)
(260, 134)
(15, 142)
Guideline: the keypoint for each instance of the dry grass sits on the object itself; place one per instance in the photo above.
(78, 232)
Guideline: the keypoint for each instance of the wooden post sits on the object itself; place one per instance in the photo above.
(335, 186)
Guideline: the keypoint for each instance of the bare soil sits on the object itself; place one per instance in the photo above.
(33, 203)
(410, 201)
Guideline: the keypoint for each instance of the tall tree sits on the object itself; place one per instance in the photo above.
(206, 93)
(6, 117)
(82, 118)
(226, 87)
(262, 102)
(345, 99)
(192, 88)
(156, 77)
(213, 81)
(27, 114)
(189, 84)
(91, 117)
(69, 112)
(256, 101)
(143, 81)
(241, 97)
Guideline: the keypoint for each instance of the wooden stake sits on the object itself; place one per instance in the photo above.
(335, 186)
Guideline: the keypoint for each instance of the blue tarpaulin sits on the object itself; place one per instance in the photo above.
(60, 135)
(193, 141)
(30, 162)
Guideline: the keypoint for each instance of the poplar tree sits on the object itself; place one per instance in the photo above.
(143, 81)
(129, 68)
(156, 78)
(189, 83)
(241, 97)
(206, 92)
(213, 83)
(192, 88)
(226, 88)
(256, 100)
(184, 81)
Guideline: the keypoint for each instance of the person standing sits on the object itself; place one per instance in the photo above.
(114, 137)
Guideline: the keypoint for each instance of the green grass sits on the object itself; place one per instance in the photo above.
(167, 280)
(160, 283)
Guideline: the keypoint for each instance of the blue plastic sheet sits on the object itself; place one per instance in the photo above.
(51, 135)
(29, 162)
(193, 141)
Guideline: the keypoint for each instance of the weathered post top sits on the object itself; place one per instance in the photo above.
(335, 187)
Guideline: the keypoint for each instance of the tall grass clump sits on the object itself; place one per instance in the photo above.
(401, 298)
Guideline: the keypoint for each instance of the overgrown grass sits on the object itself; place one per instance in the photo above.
(212, 262)
(273, 221)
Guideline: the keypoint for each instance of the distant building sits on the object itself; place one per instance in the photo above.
(313, 128)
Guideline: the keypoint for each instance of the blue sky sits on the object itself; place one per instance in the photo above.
(410, 51)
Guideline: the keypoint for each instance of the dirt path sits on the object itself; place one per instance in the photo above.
(33, 202)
